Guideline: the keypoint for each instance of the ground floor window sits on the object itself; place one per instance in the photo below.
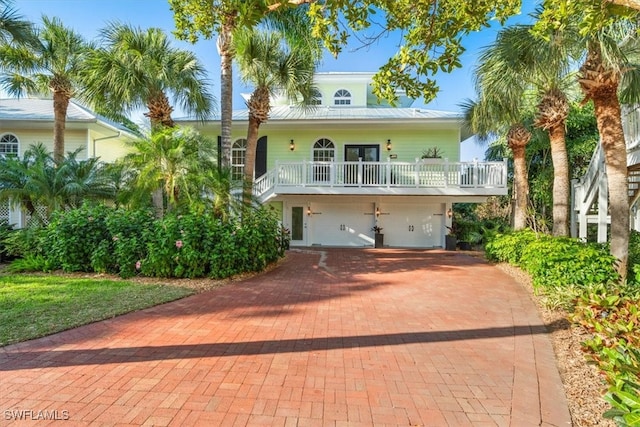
(238, 153)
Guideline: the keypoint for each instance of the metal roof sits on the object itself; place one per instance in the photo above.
(41, 109)
(289, 113)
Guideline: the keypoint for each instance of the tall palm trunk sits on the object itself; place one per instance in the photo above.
(560, 161)
(259, 106)
(160, 110)
(553, 111)
(518, 138)
(250, 159)
(225, 51)
(600, 84)
(60, 106)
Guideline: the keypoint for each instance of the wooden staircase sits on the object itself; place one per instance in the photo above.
(589, 195)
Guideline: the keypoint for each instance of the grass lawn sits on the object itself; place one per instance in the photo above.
(34, 306)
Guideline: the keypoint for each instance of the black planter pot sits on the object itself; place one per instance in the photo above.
(450, 242)
(379, 240)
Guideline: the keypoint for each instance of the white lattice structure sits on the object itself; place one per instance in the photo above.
(590, 196)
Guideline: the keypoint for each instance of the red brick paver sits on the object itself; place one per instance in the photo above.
(331, 337)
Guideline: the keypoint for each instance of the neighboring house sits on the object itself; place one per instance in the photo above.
(590, 219)
(28, 121)
(334, 171)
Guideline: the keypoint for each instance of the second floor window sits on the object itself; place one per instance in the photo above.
(238, 151)
(9, 145)
(342, 97)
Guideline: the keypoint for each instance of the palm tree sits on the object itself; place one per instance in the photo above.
(543, 66)
(270, 67)
(493, 115)
(14, 29)
(610, 69)
(500, 110)
(172, 160)
(37, 179)
(49, 65)
(138, 68)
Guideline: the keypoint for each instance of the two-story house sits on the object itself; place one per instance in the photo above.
(335, 171)
(29, 121)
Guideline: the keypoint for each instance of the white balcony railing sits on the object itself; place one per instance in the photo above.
(429, 173)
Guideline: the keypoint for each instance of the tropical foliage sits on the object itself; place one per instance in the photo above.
(40, 186)
(48, 64)
(136, 68)
(271, 68)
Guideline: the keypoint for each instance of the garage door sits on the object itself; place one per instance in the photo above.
(411, 225)
(341, 224)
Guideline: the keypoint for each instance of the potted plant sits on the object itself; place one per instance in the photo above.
(378, 236)
(450, 240)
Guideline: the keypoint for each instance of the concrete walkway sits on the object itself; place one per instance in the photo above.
(345, 337)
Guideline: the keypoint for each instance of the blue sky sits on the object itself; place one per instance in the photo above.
(88, 16)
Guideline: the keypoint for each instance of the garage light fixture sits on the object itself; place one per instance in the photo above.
(292, 145)
(388, 145)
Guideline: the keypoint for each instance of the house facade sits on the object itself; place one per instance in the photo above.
(334, 171)
(29, 121)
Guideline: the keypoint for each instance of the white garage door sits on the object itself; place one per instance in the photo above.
(341, 224)
(411, 225)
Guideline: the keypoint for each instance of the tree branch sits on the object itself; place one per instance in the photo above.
(278, 5)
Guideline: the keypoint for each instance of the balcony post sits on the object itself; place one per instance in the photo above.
(416, 173)
(475, 172)
(304, 173)
(446, 172)
(360, 172)
(388, 172)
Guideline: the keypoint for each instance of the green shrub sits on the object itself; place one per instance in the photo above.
(5, 231)
(127, 247)
(73, 236)
(30, 263)
(634, 257)
(26, 241)
(509, 247)
(612, 315)
(561, 261)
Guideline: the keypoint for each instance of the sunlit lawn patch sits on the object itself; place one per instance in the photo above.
(35, 306)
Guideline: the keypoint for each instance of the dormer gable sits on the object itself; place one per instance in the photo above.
(346, 89)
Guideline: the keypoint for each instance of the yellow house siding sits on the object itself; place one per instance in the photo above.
(109, 147)
(74, 139)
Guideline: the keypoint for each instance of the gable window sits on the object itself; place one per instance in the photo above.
(342, 97)
(8, 145)
(324, 150)
(238, 152)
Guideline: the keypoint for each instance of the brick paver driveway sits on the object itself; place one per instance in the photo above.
(330, 337)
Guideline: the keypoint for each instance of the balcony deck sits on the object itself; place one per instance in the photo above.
(423, 177)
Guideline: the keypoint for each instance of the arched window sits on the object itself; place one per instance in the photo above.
(342, 97)
(9, 145)
(316, 97)
(324, 150)
(238, 151)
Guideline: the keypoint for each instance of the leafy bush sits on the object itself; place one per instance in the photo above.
(26, 241)
(612, 315)
(561, 261)
(127, 246)
(5, 231)
(508, 247)
(73, 236)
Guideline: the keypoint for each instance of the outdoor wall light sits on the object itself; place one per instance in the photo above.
(450, 213)
(388, 145)
(309, 213)
(377, 212)
(292, 145)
